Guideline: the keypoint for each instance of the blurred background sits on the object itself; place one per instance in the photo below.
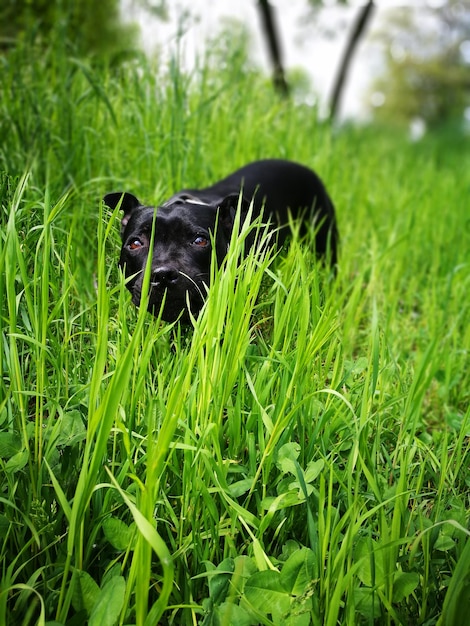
(403, 63)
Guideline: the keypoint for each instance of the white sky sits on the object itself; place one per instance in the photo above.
(305, 43)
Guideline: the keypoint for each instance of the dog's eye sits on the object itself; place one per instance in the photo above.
(135, 244)
(201, 241)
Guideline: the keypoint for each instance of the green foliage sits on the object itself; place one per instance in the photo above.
(84, 26)
(458, 594)
(426, 72)
(301, 455)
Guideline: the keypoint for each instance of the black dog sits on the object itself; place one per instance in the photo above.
(184, 226)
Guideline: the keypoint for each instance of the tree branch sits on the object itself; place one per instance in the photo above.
(272, 36)
(365, 13)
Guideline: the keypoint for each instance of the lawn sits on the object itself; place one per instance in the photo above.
(301, 454)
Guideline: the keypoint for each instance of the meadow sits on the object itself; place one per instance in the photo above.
(301, 454)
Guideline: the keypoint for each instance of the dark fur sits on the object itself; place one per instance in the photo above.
(184, 224)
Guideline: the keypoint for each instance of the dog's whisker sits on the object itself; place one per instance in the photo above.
(191, 280)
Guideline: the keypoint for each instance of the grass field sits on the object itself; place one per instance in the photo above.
(302, 455)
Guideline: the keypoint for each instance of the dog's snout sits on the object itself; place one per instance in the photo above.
(164, 276)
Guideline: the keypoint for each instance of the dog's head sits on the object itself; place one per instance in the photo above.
(184, 229)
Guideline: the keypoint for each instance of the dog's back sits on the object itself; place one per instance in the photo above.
(281, 187)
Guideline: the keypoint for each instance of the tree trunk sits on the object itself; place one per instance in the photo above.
(365, 13)
(272, 37)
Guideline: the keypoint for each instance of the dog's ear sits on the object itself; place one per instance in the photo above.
(128, 204)
(227, 208)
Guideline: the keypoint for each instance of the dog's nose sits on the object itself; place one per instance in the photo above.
(164, 276)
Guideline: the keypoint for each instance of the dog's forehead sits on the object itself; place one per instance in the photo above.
(185, 197)
(178, 214)
(188, 197)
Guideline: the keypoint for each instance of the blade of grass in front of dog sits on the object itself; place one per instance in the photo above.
(222, 333)
(12, 262)
(103, 410)
(148, 537)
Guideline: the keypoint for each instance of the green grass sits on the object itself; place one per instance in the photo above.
(301, 456)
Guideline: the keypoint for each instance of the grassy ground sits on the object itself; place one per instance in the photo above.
(300, 457)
